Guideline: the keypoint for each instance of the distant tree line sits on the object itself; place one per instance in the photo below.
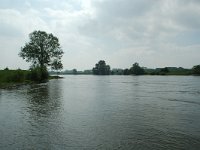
(101, 68)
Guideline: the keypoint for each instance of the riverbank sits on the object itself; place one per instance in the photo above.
(4, 85)
(15, 78)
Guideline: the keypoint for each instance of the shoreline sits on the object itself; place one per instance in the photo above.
(10, 85)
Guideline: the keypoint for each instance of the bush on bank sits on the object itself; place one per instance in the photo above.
(36, 74)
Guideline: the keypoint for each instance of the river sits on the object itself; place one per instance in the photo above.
(102, 112)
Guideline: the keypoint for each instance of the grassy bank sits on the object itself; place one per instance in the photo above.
(9, 76)
(12, 78)
(18, 77)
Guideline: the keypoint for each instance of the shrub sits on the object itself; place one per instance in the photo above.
(18, 76)
(196, 70)
(37, 74)
(12, 75)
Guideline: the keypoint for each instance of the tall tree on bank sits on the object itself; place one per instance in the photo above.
(42, 50)
(101, 68)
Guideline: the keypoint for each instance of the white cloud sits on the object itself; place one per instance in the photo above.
(121, 32)
(14, 29)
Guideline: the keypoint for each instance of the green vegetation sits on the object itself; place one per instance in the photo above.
(56, 65)
(126, 72)
(35, 74)
(169, 71)
(13, 77)
(117, 71)
(74, 71)
(38, 74)
(136, 69)
(8, 76)
(196, 70)
(101, 68)
(42, 50)
(17, 77)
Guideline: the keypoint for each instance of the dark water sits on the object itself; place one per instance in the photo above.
(103, 112)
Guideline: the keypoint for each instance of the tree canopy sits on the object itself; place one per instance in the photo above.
(164, 70)
(42, 50)
(101, 68)
(196, 70)
(56, 65)
(136, 69)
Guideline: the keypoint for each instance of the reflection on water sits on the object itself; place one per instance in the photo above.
(44, 104)
(102, 112)
(44, 99)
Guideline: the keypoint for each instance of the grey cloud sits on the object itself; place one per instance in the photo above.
(119, 31)
(189, 19)
(148, 25)
(7, 30)
(124, 8)
(139, 20)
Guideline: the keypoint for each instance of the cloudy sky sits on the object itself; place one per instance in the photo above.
(155, 33)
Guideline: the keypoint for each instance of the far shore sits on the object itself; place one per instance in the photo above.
(15, 78)
(11, 85)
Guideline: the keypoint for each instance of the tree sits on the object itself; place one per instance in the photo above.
(101, 68)
(136, 69)
(126, 72)
(74, 71)
(164, 70)
(196, 70)
(6, 69)
(56, 65)
(42, 49)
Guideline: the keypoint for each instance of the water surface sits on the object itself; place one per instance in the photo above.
(103, 112)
